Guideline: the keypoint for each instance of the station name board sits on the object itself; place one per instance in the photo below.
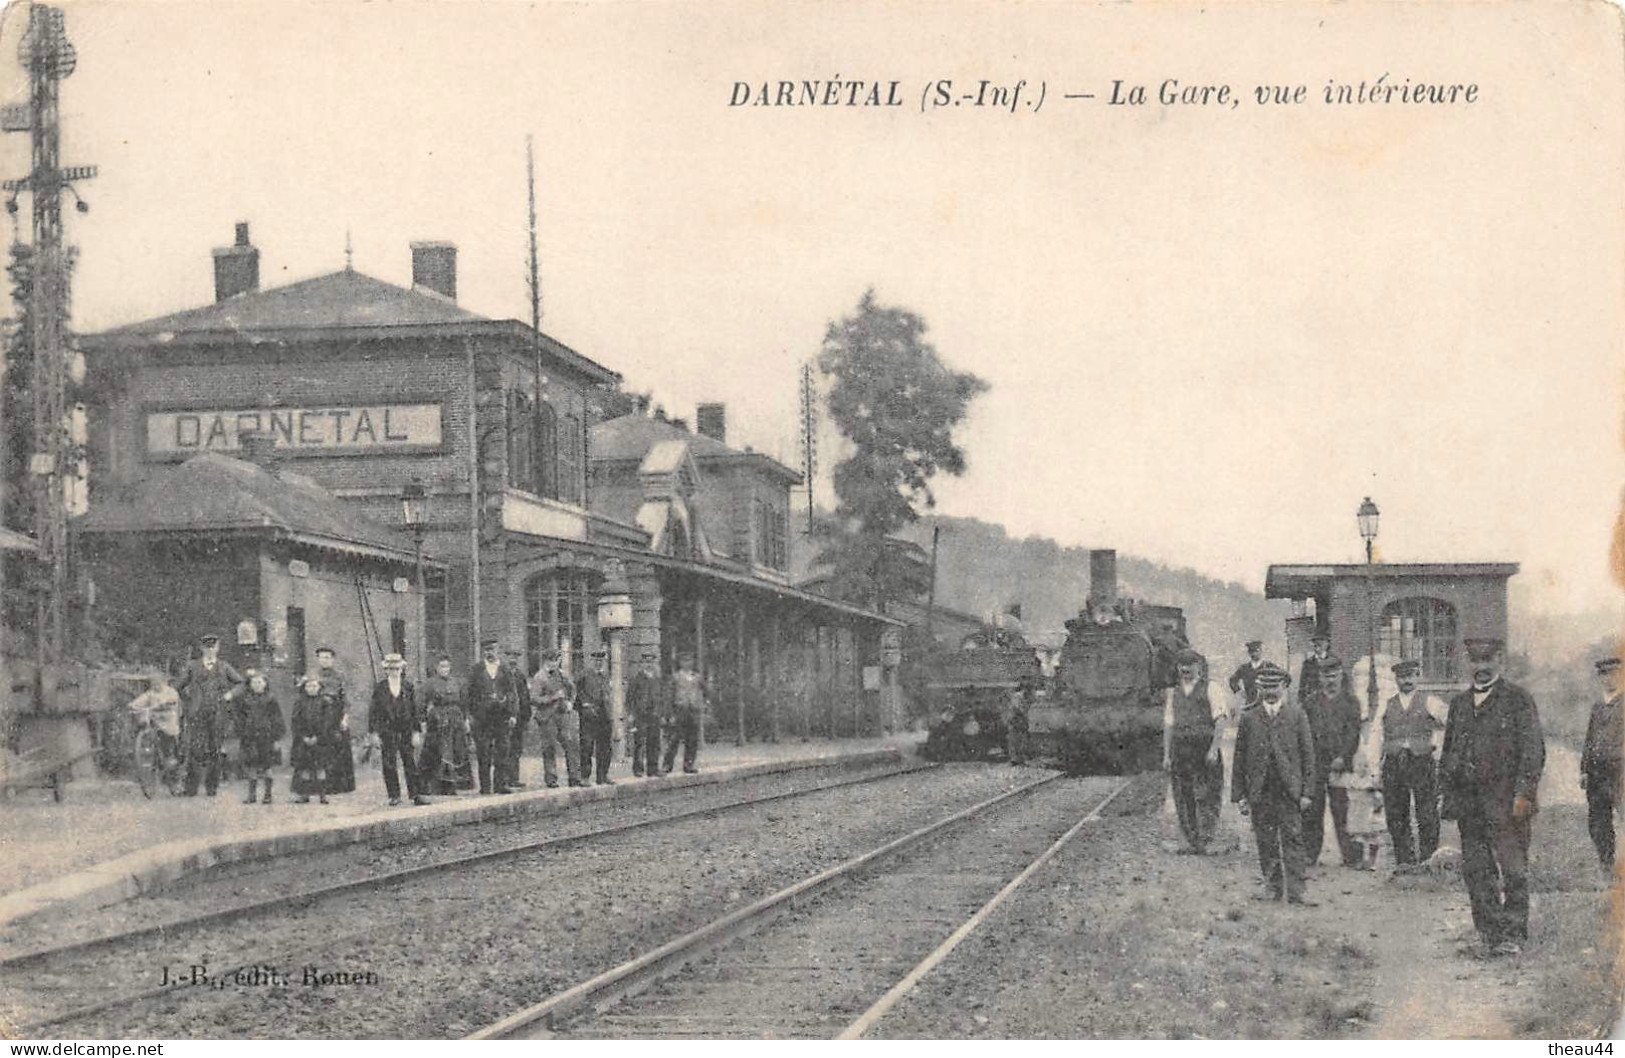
(348, 429)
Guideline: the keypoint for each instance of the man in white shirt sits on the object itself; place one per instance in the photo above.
(1411, 725)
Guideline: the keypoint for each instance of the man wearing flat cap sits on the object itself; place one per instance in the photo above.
(1600, 762)
(1320, 654)
(1490, 769)
(207, 684)
(493, 705)
(645, 704)
(1411, 725)
(395, 726)
(1274, 770)
(592, 701)
(1334, 719)
(1193, 724)
(1244, 681)
(553, 697)
(513, 662)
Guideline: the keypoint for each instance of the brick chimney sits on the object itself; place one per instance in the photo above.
(711, 420)
(236, 267)
(434, 268)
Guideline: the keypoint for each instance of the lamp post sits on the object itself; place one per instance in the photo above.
(1366, 516)
(414, 516)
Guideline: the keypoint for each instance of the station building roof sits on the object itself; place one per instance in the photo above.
(214, 493)
(339, 306)
(630, 437)
(1309, 580)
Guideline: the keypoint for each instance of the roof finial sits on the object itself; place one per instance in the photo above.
(349, 252)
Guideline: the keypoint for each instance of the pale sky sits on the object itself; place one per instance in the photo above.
(1209, 332)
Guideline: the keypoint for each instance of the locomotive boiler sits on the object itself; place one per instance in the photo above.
(1103, 712)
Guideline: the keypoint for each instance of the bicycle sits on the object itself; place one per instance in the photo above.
(152, 765)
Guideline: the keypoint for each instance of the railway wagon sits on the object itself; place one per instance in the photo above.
(971, 689)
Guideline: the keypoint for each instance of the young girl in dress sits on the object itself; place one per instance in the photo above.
(1363, 780)
(312, 741)
(259, 728)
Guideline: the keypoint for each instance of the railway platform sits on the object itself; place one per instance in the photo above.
(107, 843)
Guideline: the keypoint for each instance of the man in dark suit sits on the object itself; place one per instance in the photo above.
(645, 704)
(1490, 769)
(1334, 719)
(395, 726)
(1600, 771)
(493, 703)
(514, 663)
(1244, 681)
(593, 702)
(1320, 653)
(204, 688)
(1274, 769)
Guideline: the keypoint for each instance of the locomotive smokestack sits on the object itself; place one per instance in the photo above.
(1103, 578)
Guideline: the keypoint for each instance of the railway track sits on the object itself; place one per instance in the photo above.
(56, 971)
(854, 939)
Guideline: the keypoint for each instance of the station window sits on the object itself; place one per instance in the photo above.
(569, 449)
(533, 446)
(557, 606)
(772, 524)
(1421, 629)
(434, 614)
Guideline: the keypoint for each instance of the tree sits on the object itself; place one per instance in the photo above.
(612, 402)
(897, 403)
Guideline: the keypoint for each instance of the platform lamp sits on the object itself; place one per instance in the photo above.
(415, 518)
(1367, 516)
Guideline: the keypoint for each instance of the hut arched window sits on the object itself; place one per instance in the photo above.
(1421, 628)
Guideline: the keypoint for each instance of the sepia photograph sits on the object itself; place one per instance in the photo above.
(812, 519)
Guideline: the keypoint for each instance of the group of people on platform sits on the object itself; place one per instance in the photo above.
(1398, 769)
(442, 738)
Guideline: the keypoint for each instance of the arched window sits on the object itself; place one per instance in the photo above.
(1421, 629)
(559, 615)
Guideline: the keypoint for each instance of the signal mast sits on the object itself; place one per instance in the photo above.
(57, 457)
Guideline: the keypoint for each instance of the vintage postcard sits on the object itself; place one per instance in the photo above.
(877, 519)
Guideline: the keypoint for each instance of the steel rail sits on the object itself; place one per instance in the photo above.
(885, 1003)
(313, 896)
(633, 976)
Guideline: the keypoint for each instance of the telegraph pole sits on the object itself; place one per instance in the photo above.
(48, 56)
(534, 278)
(809, 436)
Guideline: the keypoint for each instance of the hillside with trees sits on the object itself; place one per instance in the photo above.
(981, 568)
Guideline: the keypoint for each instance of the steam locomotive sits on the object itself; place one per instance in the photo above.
(1101, 712)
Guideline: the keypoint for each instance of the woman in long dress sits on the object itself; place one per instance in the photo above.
(340, 754)
(444, 761)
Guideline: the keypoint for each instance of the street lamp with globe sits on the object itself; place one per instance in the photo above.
(415, 518)
(1366, 517)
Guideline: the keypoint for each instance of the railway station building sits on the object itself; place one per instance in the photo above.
(543, 529)
(1415, 611)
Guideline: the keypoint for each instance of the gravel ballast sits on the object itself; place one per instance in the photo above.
(441, 955)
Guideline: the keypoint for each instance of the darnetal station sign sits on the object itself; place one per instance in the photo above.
(348, 429)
